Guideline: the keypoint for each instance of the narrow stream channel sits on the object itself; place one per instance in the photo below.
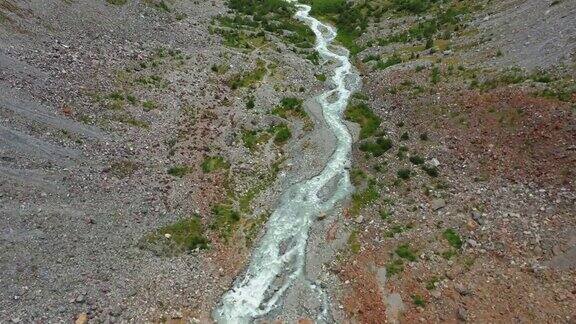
(279, 257)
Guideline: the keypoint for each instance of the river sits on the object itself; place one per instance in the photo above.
(279, 257)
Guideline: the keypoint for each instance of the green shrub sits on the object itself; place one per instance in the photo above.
(283, 134)
(430, 170)
(378, 147)
(415, 159)
(405, 136)
(404, 174)
(418, 300)
(405, 252)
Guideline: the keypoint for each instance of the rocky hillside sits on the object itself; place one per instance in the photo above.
(143, 144)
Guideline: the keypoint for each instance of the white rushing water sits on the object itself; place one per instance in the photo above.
(281, 251)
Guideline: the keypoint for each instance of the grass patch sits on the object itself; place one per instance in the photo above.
(396, 229)
(391, 61)
(290, 106)
(404, 174)
(365, 117)
(225, 220)
(179, 170)
(282, 134)
(117, 2)
(378, 147)
(123, 169)
(405, 252)
(250, 78)
(354, 242)
(181, 237)
(418, 300)
(363, 198)
(214, 163)
(394, 267)
(453, 238)
(149, 105)
(431, 284)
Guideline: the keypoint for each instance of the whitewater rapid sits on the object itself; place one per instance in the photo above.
(281, 251)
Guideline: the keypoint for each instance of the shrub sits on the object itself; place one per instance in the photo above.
(418, 300)
(415, 159)
(378, 147)
(405, 252)
(431, 170)
(404, 174)
(283, 134)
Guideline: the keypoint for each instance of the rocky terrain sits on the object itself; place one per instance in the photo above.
(143, 145)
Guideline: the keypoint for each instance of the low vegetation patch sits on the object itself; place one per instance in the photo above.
(405, 252)
(363, 115)
(226, 219)
(214, 163)
(179, 170)
(249, 78)
(183, 236)
(378, 147)
(453, 238)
